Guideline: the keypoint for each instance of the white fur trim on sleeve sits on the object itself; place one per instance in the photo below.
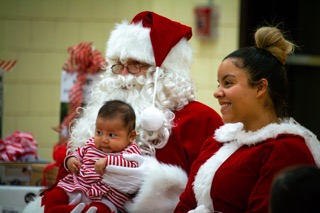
(160, 190)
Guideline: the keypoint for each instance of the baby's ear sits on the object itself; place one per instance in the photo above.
(133, 135)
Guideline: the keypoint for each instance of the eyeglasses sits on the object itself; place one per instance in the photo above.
(132, 68)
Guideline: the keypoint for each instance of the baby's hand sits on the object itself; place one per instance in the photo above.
(73, 164)
(100, 165)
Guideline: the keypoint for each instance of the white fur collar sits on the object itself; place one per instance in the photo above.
(236, 137)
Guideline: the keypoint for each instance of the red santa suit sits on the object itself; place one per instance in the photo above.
(192, 126)
(235, 169)
(168, 176)
(156, 40)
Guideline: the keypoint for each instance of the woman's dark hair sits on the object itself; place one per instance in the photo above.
(267, 60)
(119, 109)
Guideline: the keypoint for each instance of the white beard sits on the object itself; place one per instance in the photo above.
(126, 88)
(135, 90)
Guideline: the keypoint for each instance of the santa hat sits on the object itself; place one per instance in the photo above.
(152, 39)
(155, 40)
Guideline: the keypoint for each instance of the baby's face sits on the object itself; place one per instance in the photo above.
(111, 135)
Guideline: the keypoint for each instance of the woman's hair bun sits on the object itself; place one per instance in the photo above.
(272, 39)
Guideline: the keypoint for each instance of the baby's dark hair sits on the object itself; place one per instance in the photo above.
(119, 109)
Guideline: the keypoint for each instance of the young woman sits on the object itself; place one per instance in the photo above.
(235, 168)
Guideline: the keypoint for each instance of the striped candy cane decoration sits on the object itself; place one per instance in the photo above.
(7, 65)
(84, 59)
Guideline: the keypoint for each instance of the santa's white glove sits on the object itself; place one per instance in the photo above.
(75, 200)
(200, 209)
(81, 206)
(126, 179)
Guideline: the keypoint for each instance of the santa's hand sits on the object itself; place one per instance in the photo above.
(126, 179)
(75, 199)
(81, 206)
(78, 208)
(92, 209)
(200, 209)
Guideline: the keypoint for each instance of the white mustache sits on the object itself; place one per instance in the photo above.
(127, 82)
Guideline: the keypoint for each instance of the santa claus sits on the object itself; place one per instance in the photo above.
(149, 63)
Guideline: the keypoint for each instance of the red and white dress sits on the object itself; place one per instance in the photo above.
(89, 182)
